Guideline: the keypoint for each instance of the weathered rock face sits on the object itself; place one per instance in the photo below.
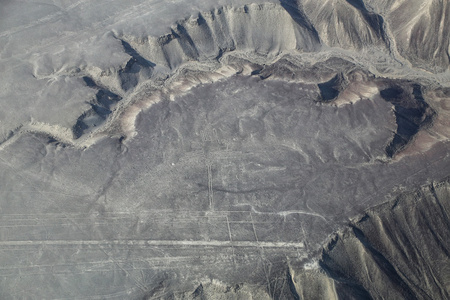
(347, 24)
(413, 31)
(418, 30)
(218, 154)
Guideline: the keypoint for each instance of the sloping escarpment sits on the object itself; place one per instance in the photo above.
(259, 33)
(413, 31)
(264, 31)
(411, 111)
(418, 28)
(347, 24)
(398, 250)
(375, 34)
(330, 90)
(101, 107)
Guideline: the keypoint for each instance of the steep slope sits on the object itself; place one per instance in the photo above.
(418, 29)
(347, 24)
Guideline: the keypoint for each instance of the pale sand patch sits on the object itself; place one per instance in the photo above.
(356, 91)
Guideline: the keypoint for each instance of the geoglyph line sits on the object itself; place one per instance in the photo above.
(210, 189)
(154, 243)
